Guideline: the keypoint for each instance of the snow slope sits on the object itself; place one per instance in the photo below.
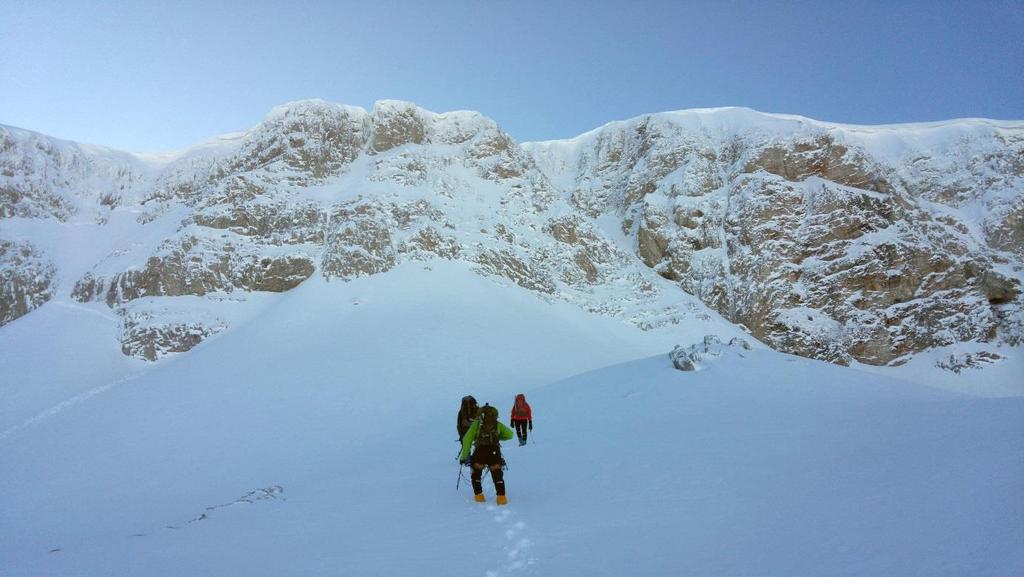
(315, 438)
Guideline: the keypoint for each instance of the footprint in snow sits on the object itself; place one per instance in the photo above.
(517, 548)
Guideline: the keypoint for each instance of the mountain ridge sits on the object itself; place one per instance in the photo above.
(145, 155)
(839, 242)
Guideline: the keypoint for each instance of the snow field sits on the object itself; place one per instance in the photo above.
(316, 438)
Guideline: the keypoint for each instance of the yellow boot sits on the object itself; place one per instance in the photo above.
(502, 500)
(479, 498)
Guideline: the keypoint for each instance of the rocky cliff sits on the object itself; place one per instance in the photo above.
(835, 242)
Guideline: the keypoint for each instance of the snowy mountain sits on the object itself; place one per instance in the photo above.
(843, 243)
(244, 358)
(835, 242)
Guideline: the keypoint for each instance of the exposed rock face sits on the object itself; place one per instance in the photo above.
(197, 266)
(316, 140)
(841, 243)
(395, 124)
(262, 211)
(151, 334)
(431, 242)
(1005, 230)
(801, 233)
(26, 279)
(506, 264)
(154, 342)
(360, 245)
(889, 276)
(821, 157)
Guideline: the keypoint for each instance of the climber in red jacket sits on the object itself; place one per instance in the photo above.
(522, 418)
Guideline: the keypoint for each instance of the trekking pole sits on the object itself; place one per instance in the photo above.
(460, 477)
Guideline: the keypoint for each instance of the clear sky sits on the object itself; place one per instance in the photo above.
(152, 76)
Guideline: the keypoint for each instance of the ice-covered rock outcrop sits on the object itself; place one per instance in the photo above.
(152, 335)
(320, 188)
(26, 279)
(836, 242)
(694, 357)
(193, 265)
(43, 177)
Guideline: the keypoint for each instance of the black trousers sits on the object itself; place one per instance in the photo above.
(497, 475)
(487, 458)
(521, 428)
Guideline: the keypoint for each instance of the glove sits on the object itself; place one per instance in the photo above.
(531, 425)
(466, 461)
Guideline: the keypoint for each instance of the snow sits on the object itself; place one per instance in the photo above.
(83, 246)
(314, 437)
(312, 434)
(79, 339)
(892, 137)
(890, 144)
(998, 378)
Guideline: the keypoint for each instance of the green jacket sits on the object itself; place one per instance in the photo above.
(504, 433)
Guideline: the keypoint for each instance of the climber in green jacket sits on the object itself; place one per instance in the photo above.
(484, 436)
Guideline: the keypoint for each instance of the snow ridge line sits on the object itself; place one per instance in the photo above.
(67, 404)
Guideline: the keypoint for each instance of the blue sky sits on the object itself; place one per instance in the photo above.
(157, 76)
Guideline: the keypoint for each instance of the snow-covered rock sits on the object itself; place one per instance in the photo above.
(842, 243)
(197, 265)
(957, 363)
(44, 177)
(895, 239)
(694, 357)
(26, 279)
(153, 335)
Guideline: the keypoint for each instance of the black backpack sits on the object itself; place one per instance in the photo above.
(467, 413)
(487, 433)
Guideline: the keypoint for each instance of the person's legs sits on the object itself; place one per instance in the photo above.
(475, 477)
(520, 431)
(498, 476)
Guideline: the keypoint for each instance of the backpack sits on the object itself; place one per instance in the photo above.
(467, 414)
(469, 408)
(487, 433)
(519, 409)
